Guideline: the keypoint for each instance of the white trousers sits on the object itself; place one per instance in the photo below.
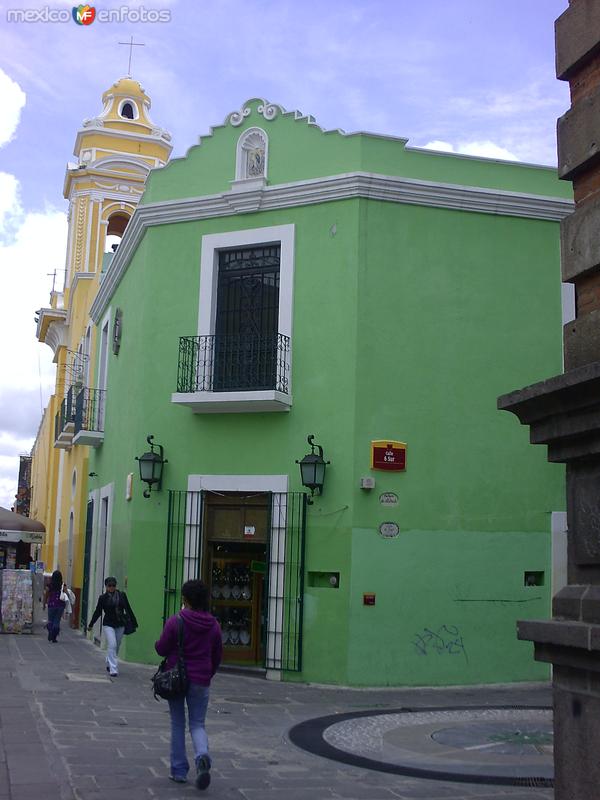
(113, 642)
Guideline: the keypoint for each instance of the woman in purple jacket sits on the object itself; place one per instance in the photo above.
(202, 650)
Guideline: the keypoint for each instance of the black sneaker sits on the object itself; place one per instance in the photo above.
(203, 772)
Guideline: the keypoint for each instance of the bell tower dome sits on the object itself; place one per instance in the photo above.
(115, 151)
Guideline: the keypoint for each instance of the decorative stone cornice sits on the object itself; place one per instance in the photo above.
(563, 412)
(320, 190)
(80, 277)
(52, 328)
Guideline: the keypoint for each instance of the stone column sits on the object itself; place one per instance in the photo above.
(564, 413)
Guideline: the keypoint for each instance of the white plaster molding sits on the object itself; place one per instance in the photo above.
(78, 278)
(57, 336)
(93, 206)
(134, 106)
(156, 135)
(251, 139)
(237, 483)
(106, 492)
(275, 485)
(319, 190)
(112, 194)
(121, 161)
(89, 438)
(233, 402)
(57, 331)
(57, 519)
(248, 185)
(268, 110)
(212, 243)
(93, 122)
(237, 117)
(115, 205)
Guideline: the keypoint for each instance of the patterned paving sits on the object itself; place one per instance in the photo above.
(506, 746)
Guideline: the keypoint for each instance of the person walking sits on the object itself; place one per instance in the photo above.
(202, 652)
(55, 605)
(117, 613)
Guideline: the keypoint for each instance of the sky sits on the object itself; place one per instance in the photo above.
(469, 76)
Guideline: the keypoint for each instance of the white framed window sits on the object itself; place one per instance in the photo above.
(216, 343)
(103, 368)
(212, 244)
(87, 349)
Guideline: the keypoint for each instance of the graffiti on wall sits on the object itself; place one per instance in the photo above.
(445, 640)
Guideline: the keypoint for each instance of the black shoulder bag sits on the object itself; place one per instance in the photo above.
(171, 683)
(129, 624)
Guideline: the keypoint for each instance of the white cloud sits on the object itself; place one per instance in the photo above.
(484, 149)
(12, 100)
(31, 246)
(532, 98)
(9, 201)
(440, 146)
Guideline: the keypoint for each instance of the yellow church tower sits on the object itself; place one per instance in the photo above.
(115, 152)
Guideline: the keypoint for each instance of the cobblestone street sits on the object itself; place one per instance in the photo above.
(69, 731)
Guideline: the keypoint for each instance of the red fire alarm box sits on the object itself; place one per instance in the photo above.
(388, 455)
(368, 599)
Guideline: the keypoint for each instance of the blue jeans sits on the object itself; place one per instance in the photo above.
(197, 703)
(113, 638)
(54, 617)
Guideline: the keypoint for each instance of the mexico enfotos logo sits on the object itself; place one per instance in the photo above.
(85, 14)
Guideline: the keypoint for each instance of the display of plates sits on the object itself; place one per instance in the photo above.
(244, 636)
(232, 590)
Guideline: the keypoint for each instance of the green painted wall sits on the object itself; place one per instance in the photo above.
(299, 151)
(408, 323)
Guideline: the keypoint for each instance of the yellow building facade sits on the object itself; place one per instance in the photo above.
(115, 152)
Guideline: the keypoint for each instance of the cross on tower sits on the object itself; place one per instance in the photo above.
(131, 44)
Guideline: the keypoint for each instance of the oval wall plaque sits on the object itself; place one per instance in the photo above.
(389, 530)
(388, 499)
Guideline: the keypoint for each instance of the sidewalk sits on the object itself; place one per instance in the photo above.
(70, 732)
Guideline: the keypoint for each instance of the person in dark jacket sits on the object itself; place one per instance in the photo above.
(115, 606)
(55, 605)
(202, 651)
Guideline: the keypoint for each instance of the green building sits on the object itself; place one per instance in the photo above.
(282, 281)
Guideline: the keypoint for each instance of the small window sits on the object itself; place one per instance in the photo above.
(127, 111)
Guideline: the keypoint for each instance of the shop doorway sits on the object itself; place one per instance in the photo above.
(234, 569)
(249, 549)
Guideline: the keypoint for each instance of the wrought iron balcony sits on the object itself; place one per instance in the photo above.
(89, 417)
(64, 422)
(234, 373)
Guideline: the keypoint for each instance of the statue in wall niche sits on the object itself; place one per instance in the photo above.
(255, 163)
(252, 155)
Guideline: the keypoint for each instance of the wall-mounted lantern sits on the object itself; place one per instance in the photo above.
(151, 466)
(312, 468)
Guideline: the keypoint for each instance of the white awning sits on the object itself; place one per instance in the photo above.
(33, 537)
